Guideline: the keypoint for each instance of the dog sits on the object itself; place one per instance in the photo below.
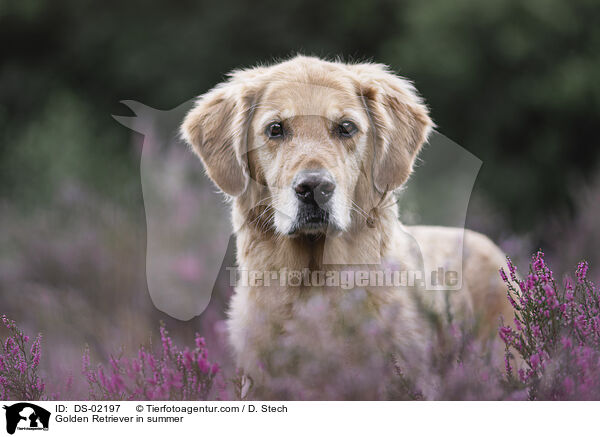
(311, 153)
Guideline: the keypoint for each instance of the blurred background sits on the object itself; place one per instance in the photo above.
(515, 83)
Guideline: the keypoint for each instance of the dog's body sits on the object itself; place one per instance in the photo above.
(310, 153)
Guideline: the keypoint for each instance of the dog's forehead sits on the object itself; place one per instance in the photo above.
(293, 98)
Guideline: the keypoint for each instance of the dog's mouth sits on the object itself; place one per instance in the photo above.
(312, 220)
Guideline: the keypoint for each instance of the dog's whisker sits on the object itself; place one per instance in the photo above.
(359, 209)
(389, 205)
(267, 221)
(268, 207)
(353, 206)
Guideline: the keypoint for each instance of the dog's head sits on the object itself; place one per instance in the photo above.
(321, 139)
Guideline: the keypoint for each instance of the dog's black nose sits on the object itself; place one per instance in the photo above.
(314, 186)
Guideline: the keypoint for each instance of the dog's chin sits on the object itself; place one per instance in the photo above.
(314, 229)
(313, 223)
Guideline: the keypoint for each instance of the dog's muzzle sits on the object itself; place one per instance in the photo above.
(314, 190)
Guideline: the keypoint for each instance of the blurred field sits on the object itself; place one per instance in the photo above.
(513, 83)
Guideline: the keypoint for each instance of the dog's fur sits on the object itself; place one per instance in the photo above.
(226, 128)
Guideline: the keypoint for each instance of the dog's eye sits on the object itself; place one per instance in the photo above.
(347, 129)
(275, 130)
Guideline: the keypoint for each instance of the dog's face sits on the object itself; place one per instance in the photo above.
(318, 137)
(306, 145)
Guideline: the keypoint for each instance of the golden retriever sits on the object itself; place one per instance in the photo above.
(310, 153)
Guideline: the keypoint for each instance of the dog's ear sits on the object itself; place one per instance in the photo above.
(399, 119)
(216, 129)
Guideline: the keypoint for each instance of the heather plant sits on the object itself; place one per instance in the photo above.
(556, 333)
(459, 362)
(552, 351)
(19, 364)
(168, 374)
(463, 366)
(312, 359)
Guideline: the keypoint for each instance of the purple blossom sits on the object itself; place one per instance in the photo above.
(534, 361)
(538, 262)
(173, 374)
(512, 269)
(19, 365)
(518, 324)
(552, 351)
(506, 333)
(581, 272)
(557, 336)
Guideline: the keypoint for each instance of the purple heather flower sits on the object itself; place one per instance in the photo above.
(523, 375)
(506, 333)
(203, 365)
(200, 343)
(538, 261)
(511, 267)
(178, 374)
(549, 290)
(531, 281)
(581, 272)
(507, 365)
(535, 360)
(166, 341)
(567, 342)
(518, 324)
